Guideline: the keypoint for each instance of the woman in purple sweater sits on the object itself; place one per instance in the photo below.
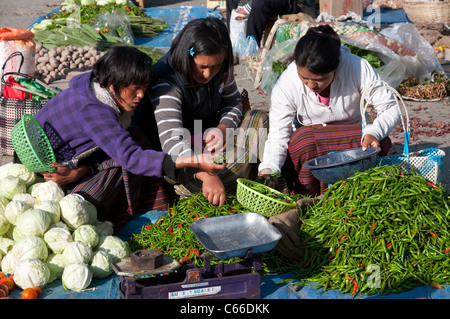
(106, 160)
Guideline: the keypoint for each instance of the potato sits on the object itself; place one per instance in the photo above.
(43, 59)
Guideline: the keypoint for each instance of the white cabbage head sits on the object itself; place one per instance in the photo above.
(10, 186)
(4, 224)
(101, 264)
(33, 222)
(15, 208)
(25, 197)
(57, 239)
(114, 246)
(52, 208)
(30, 247)
(77, 252)
(74, 211)
(86, 234)
(20, 171)
(104, 228)
(46, 191)
(30, 273)
(76, 277)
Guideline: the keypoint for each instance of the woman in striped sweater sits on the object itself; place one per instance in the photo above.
(315, 109)
(198, 108)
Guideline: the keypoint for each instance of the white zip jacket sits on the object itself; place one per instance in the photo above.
(292, 99)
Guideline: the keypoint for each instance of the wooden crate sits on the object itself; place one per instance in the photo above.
(222, 4)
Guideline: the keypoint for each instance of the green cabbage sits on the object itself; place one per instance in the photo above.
(20, 171)
(15, 208)
(4, 224)
(77, 252)
(10, 186)
(30, 273)
(9, 263)
(101, 264)
(25, 197)
(74, 211)
(46, 191)
(56, 264)
(30, 247)
(57, 239)
(6, 244)
(52, 208)
(104, 228)
(33, 222)
(86, 234)
(114, 246)
(76, 277)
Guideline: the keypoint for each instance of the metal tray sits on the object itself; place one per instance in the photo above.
(233, 235)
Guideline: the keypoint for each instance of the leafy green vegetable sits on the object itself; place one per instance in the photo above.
(370, 56)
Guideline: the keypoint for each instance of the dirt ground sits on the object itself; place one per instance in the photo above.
(430, 121)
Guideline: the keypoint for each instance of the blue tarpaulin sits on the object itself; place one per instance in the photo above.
(177, 18)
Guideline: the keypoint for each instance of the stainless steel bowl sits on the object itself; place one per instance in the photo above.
(340, 165)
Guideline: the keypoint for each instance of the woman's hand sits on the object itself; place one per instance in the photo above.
(203, 162)
(216, 139)
(267, 174)
(213, 189)
(64, 175)
(369, 141)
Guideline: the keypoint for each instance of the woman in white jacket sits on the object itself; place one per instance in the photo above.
(315, 109)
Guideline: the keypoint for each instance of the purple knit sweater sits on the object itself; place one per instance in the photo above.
(75, 121)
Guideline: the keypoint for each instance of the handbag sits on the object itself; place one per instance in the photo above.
(427, 162)
(13, 109)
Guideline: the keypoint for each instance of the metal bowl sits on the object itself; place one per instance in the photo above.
(340, 165)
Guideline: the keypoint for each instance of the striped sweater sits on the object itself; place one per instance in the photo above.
(182, 111)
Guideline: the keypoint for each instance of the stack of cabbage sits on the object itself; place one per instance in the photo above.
(47, 235)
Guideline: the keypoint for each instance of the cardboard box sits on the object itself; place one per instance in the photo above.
(214, 3)
(341, 7)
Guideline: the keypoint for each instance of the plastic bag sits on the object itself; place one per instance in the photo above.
(280, 52)
(238, 46)
(408, 35)
(116, 24)
(249, 48)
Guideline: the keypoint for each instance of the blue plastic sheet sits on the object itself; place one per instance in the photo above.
(177, 18)
(108, 288)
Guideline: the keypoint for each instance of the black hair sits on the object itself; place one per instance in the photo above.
(122, 66)
(318, 50)
(206, 36)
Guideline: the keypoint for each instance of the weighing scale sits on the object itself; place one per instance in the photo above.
(148, 274)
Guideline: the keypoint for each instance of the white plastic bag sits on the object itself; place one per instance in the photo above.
(408, 35)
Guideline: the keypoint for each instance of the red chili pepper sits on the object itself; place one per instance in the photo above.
(355, 287)
(388, 245)
(233, 210)
(436, 285)
(447, 250)
(373, 226)
(147, 227)
(343, 237)
(170, 231)
(433, 234)
(432, 185)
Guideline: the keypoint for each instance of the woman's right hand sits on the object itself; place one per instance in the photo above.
(213, 189)
(266, 173)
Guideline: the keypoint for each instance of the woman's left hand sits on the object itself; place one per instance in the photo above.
(216, 139)
(369, 141)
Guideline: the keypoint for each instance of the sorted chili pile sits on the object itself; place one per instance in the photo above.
(172, 234)
(380, 231)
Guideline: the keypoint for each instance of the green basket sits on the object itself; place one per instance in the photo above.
(259, 203)
(32, 145)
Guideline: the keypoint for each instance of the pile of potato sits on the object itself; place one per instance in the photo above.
(56, 63)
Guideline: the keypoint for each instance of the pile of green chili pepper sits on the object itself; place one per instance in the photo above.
(380, 231)
(172, 234)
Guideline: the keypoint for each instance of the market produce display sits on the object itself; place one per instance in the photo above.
(435, 87)
(46, 235)
(75, 37)
(380, 231)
